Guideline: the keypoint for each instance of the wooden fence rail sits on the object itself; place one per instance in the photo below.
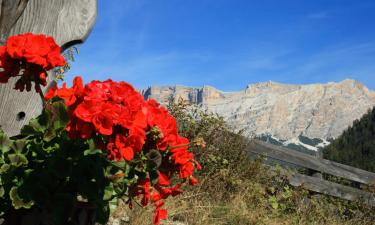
(320, 165)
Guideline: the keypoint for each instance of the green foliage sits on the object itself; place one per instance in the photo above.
(17, 202)
(356, 146)
(42, 168)
(225, 149)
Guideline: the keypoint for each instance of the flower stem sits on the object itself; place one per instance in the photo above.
(179, 146)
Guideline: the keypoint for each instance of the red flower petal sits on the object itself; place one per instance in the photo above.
(160, 214)
(127, 153)
(193, 181)
(163, 179)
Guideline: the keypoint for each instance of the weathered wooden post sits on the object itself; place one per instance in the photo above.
(68, 21)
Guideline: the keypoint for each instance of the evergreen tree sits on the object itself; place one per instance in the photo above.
(356, 145)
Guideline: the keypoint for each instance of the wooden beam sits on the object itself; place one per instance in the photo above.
(68, 21)
(10, 11)
(333, 189)
(311, 162)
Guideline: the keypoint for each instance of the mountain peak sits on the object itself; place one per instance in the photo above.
(283, 110)
(353, 83)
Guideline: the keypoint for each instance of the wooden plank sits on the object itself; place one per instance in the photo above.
(10, 11)
(68, 21)
(333, 189)
(311, 162)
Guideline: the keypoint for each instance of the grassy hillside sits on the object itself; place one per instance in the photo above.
(235, 190)
(356, 146)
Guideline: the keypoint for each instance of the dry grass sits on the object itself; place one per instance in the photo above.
(249, 203)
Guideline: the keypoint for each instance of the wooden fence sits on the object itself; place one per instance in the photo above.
(317, 167)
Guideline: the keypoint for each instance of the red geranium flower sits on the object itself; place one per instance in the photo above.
(29, 56)
(127, 125)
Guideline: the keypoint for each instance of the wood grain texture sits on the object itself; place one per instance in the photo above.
(10, 11)
(68, 21)
(333, 189)
(311, 162)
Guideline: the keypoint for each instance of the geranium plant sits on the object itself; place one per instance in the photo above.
(98, 143)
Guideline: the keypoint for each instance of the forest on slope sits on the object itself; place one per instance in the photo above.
(356, 145)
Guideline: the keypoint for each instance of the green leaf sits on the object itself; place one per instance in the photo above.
(17, 201)
(139, 172)
(275, 205)
(34, 126)
(57, 118)
(2, 192)
(92, 152)
(57, 114)
(28, 171)
(154, 176)
(113, 205)
(108, 192)
(274, 202)
(4, 168)
(91, 144)
(49, 135)
(4, 142)
(154, 159)
(52, 148)
(17, 160)
(19, 145)
(119, 164)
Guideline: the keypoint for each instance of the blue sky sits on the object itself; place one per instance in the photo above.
(230, 43)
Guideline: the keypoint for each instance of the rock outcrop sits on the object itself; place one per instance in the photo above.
(281, 110)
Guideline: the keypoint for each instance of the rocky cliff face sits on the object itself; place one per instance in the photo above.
(281, 110)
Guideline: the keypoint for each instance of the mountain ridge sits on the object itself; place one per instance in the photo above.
(284, 111)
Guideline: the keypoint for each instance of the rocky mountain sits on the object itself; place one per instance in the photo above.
(283, 112)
